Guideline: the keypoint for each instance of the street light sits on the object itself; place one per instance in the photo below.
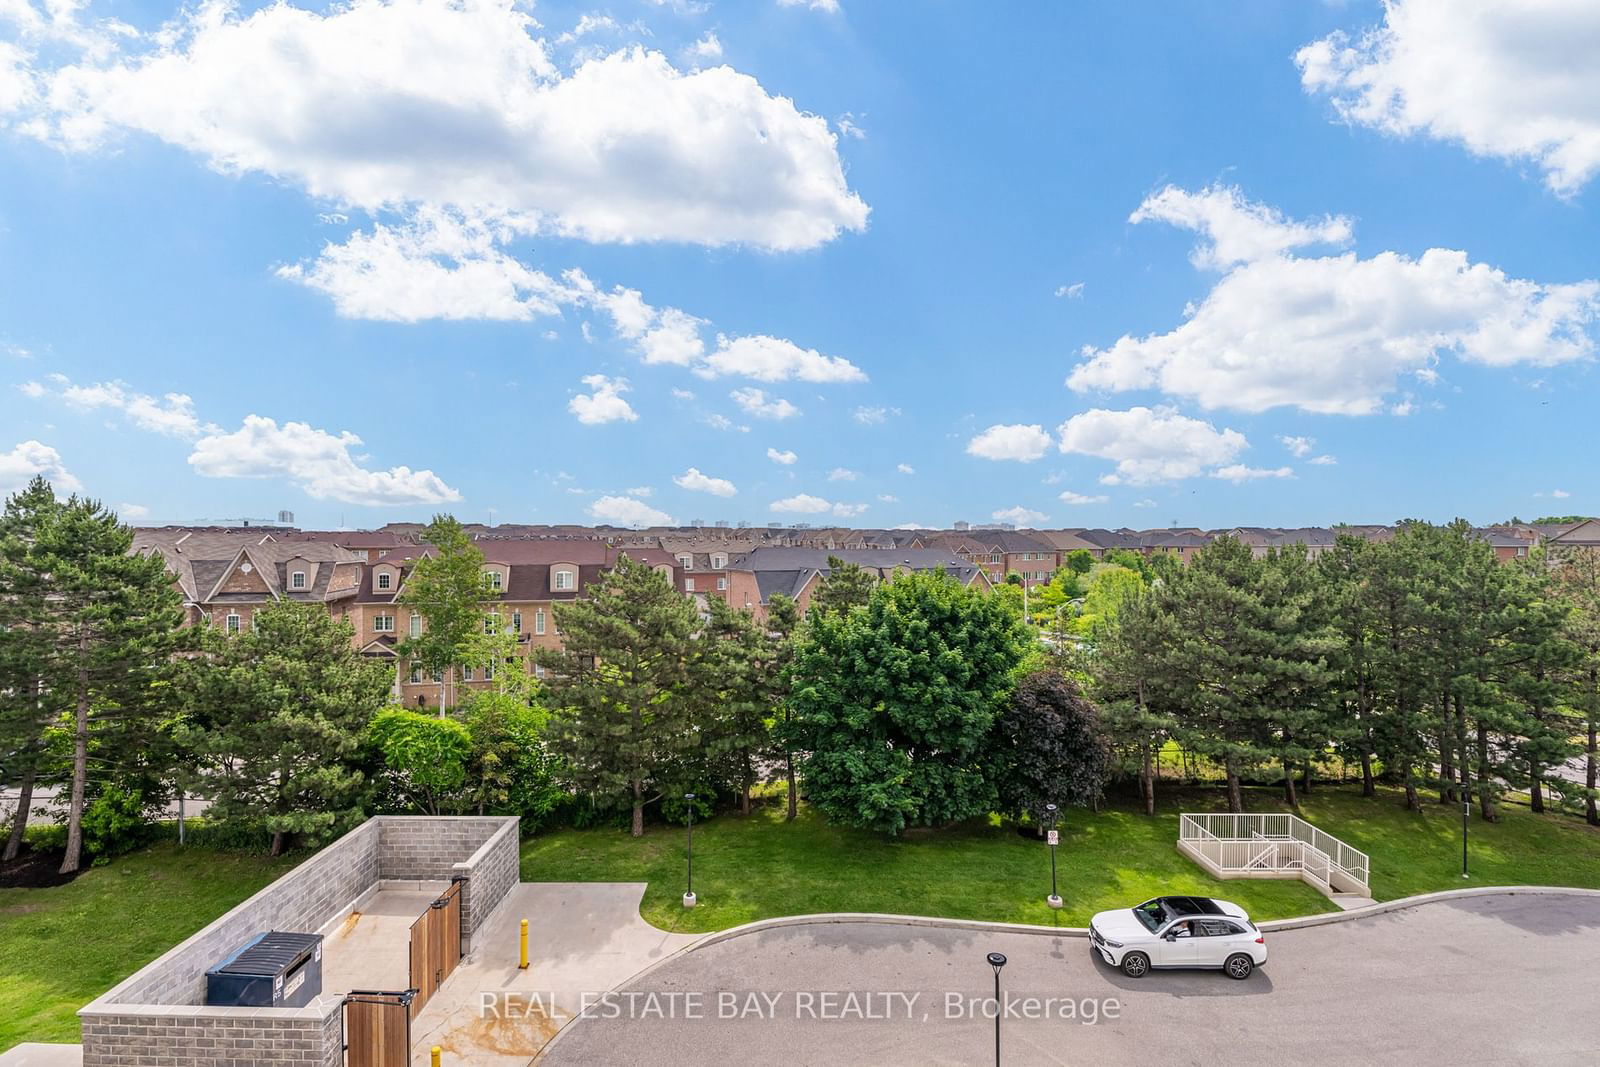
(688, 895)
(1053, 838)
(1466, 814)
(997, 961)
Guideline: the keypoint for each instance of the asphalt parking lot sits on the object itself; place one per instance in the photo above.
(1501, 980)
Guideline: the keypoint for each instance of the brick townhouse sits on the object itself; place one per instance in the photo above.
(1000, 553)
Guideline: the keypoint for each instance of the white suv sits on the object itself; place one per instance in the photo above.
(1179, 932)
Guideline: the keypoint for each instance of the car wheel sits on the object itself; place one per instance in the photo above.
(1135, 964)
(1239, 966)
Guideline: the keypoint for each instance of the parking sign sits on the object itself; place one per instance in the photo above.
(1052, 837)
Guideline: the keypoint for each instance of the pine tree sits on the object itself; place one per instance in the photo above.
(783, 618)
(27, 704)
(733, 695)
(278, 716)
(115, 618)
(848, 585)
(1577, 584)
(1128, 688)
(620, 688)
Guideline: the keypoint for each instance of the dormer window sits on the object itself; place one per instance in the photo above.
(561, 580)
(719, 561)
(297, 580)
(494, 580)
(384, 578)
(686, 561)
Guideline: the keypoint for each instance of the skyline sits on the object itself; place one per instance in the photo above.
(819, 262)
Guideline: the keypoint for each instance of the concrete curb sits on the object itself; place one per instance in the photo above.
(1270, 926)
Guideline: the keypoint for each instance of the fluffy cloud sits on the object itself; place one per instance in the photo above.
(906, 468)
(707, 47)
(386, 103)
(1323, 461)
(605, 404)
(1239, 473)
(755, 402)
(172, 415)
(830, 6)
(1514, 79)
(806, 504)
(773, 359)
(627, 511)
(437, 265)
(1150, 444)
(785, 458)
(1071, 292)
(694, 481)
(30, 458)
(842, 474)
(1081, 499)
(1335, 334)
(1020, 516)
(1298, 446)
(319, 462)
(132, 512)
(1234, 229)
(1024, 443)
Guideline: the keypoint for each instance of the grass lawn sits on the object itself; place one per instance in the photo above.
(62, 947)
(762, 866)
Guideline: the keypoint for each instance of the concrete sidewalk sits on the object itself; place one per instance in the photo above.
(583, 937)
(38, 1054)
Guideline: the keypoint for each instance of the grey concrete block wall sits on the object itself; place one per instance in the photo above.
(156, 1015)
(492, 872)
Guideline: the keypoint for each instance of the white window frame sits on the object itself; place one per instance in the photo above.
(466, 673)
(686, 561)
(415, 625)
(496, 583)
(538, 622)
(688, 585)
(722, 583)
(232, 622)
(416, 675)
(383, 624)
(491, 623)
(561, 581)
(297, 580)
(516, 622)
(719, 561)
(383, 580)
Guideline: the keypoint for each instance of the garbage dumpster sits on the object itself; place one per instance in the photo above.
(276, 969)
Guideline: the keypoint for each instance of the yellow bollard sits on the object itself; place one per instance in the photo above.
(524, 964)
(436, 1053)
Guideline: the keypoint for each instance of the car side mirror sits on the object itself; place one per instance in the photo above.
(1171, 935)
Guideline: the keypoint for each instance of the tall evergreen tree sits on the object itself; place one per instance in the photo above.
(848, 585)
(278, 715)
(27, 640)
(115, 618)
(783, 618)
(1130, 691)
(733, 695)
(620, 689)
(1577, 584)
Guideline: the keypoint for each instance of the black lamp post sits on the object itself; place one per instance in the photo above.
(997, 961)
(688, 895)
(1466, 815)
(1051, 811)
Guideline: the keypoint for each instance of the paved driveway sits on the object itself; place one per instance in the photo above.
(1487, 980)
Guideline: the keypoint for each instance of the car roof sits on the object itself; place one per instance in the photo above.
(1192, 906)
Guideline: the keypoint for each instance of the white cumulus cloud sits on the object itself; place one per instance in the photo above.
(842, 474)
(29, 458)
(1335, 334)
(1020, 516)
(1297, 446)
(806, 504)
(1150, 445)
(384, 103)
(605, 404)
(773, 359)
(1018, 442)
(1514, 79)
(753, 401)
(1238, 472)
(694, 481)
(320, 463)
(627, 511)
(1081, 499)
(786, 458)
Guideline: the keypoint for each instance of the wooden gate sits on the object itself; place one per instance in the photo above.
(377, 1028)
(435, 945)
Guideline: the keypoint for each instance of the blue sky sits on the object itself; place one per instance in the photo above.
(1067, 264)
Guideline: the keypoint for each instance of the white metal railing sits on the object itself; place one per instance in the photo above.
(1237, 842)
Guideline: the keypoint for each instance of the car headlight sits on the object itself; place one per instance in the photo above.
(1107, 940)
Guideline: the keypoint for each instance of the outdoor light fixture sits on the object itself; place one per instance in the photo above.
(688, 895)
(1053, 838)
(997, 961)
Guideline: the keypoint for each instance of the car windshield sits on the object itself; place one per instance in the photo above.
(1152, 913)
